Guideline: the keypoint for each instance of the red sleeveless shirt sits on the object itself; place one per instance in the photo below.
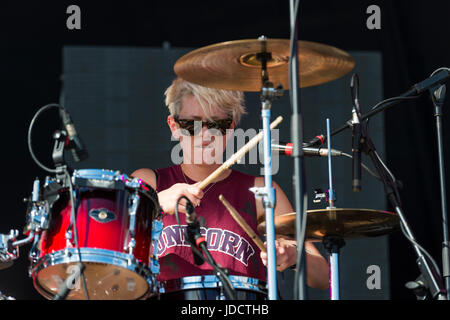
(228, 243)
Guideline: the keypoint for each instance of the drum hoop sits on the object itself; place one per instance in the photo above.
(97, 174)
(70, 255)
(98, 179)
(211, 282)
(113, 180)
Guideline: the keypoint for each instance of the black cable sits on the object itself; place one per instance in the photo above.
(381, 103)
(393, 179)
(228, 286)
(30, 128)
(439, 69)
(430, 258)
(363, 165)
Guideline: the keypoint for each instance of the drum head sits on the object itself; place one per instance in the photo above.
(107, 277)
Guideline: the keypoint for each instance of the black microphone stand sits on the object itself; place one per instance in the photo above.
(430, 281)
(193, 232)
(192, 236)
(438, 97)
(221, 273)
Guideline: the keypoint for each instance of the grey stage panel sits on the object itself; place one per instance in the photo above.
(115, 96)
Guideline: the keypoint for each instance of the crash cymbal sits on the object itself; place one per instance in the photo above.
(234, 65)
(345, 223)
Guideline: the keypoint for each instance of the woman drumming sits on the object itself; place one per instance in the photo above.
(202, 119)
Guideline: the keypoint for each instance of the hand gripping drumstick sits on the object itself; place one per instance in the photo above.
(235, 157)
(243, 224)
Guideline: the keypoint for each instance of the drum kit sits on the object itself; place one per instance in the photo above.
(115, 225)
(94, 233)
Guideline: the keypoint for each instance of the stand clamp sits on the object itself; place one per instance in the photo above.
(265, 194)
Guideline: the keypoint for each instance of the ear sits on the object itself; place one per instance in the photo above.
(230, 131)
(173, 127)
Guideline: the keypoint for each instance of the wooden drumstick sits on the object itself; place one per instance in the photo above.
(243, 224)
(235, 157)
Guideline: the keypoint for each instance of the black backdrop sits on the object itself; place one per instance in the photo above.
(413, 42)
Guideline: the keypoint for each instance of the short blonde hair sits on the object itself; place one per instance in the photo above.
(230, 102)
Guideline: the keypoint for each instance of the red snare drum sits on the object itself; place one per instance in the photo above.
(114, 218)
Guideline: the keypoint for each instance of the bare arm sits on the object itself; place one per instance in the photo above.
(168, 198)
(148, 175)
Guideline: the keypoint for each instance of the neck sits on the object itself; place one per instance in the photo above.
(199, 172)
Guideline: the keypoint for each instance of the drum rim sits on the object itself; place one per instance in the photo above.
(212, 282)
(100, 174)
(99, 179)
(117, 177)
(111, 257)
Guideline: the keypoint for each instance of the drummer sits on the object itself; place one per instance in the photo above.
(220, 111)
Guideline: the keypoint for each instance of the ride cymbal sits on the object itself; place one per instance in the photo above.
(236, 65)
(344, 223)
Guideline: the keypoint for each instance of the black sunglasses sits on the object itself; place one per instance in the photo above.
(189, 125)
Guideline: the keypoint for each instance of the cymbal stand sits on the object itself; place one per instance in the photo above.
(331, 243)
(267, 193)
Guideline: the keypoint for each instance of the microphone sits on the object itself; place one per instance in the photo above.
(193, 231)
(356, 134)
(76, 145)
(285, 149)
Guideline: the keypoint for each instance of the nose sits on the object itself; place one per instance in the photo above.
(206, 133)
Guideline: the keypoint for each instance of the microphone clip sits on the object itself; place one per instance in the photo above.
(61, 141)
(73, 141)
(438, 95)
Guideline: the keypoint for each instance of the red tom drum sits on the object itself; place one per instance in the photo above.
(114, 217)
